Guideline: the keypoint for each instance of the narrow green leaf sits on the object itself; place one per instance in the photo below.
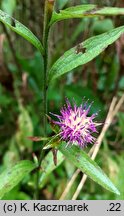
(81, 160)
(20, 29)
(12, 176)
(48, 166)
(89, 10)
(84, 52)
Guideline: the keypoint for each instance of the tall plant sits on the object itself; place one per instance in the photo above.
(78, 55)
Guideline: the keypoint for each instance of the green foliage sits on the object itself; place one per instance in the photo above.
(113, 73)
(11, 177)
(88, 166)
(84, 52)
(98, 81)
(16, 194)
(4, 99)
(48, 167)
(8, 6)
(34, 67)
(11, 156)
(85, 11)
(120, 177)
(20, 29)
(61, 4)
(121, 123)
(102, 26)
(25, 129)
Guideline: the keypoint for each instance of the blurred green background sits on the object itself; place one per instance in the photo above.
(21, 68)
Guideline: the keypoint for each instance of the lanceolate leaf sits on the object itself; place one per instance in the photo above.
(81, 160)
(11, 177)
(81, 11)
(20, 29)
(84, 52)
(48, 166)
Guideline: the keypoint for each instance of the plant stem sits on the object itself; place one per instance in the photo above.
(47, 16)
(45, 44)
(48, 10)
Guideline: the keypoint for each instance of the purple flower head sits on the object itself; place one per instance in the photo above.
(76, 127)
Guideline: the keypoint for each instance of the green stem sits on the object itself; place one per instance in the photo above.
(47, 16)
(48, 10)
(45, 44)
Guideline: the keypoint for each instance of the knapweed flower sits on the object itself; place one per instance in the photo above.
(76, 127)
